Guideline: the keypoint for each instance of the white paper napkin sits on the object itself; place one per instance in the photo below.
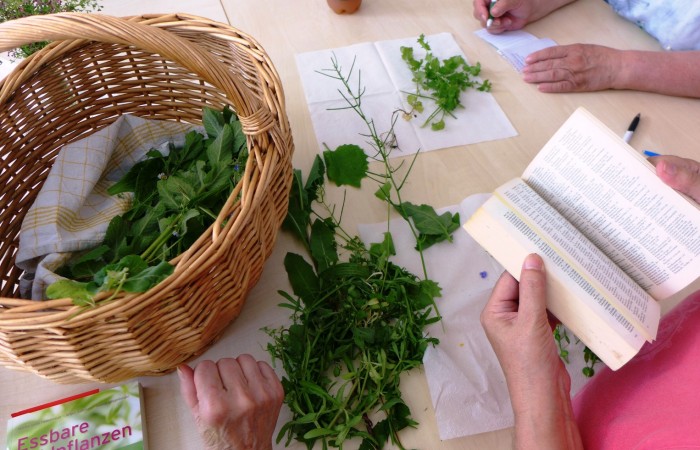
(378, 70)
(7, 64)
(466, 383)
(515, 46)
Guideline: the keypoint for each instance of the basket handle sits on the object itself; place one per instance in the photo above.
(114, 30)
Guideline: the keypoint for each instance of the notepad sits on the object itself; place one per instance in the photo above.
(515, 46)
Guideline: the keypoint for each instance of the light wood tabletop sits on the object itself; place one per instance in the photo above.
(440, 178)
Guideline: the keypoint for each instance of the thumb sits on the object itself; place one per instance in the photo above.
(681, 174)
(533, 295)
(188, 389)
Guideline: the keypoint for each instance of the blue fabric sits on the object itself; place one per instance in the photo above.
(674, 23)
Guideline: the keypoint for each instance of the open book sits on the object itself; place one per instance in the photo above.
(614, 237)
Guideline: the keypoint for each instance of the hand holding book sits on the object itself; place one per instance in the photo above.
(615, 238)
(537, 380)
(537, 383)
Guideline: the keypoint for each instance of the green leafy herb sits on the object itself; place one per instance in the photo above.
(441, 81)
(591, 360)
(174, 200)
(562, 339)
(357, 324)
(357, 320)
(346, 165)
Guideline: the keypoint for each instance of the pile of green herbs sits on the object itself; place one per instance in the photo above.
(174, 198)
(358, 320)
(15, 9)
(441, 81)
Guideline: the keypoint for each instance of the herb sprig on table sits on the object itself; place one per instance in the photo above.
(441, 81)
(358, 319)
(175, 198)
(561, 337)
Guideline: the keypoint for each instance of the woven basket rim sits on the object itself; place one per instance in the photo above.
(153, 332)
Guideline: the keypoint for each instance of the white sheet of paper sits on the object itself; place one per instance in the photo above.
(507, 39)
(466, 383)
(515, 46)
(7, 64)
(378, 69)
(517, 53)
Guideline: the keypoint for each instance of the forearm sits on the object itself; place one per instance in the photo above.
(664, 72)
(556, 4)
(544, 416)
(546, 7)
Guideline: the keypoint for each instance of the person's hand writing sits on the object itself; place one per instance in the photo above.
(573, 68)
(681, 174)
(516, 323)
(514, 14)
(235, 402)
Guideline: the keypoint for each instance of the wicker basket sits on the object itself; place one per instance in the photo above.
(161, 67)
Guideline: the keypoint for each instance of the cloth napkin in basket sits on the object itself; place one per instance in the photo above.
(73, 209)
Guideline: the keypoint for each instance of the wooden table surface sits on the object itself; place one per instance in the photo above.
(440, 178)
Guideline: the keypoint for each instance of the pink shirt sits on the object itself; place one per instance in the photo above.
(653, 401)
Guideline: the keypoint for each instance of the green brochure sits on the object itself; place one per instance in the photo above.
(107, 419)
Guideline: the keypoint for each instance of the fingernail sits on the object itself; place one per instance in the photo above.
(532, 262)
(670, 168)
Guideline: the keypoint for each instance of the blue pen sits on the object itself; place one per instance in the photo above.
(650, 153)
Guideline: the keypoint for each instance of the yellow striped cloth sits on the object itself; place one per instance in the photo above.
(73, 208)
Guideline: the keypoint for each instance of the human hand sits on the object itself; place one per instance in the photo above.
(573, 68)
(514, 14)
(516, 323)
(235, 402)
(682, 174)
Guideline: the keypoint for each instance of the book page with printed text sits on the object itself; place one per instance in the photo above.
(613, 196)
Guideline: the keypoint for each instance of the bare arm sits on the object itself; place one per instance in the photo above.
(516, 323)
(586, 67)
(663, 72)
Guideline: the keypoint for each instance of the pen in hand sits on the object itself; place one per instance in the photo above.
(489, 21)
(631, 128)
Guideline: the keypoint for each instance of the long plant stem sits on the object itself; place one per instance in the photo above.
(354, 101)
